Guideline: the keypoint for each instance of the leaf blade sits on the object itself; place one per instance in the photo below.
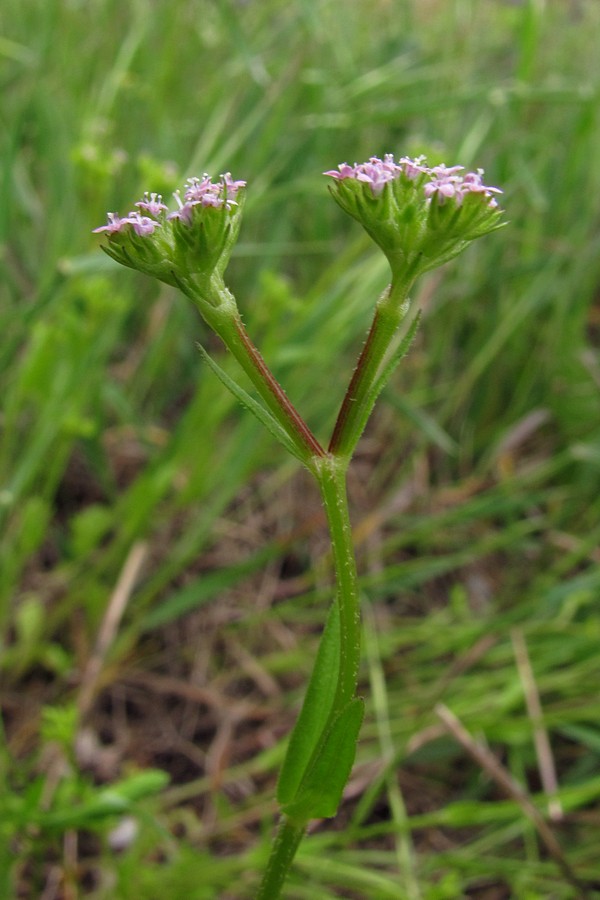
(315, 711)
(252, 405)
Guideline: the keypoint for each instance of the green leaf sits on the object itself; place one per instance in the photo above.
(321, 790)
(263, 416)
(315, 711)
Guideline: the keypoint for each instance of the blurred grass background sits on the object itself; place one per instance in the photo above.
(164, 568)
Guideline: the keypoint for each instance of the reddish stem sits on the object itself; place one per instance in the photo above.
(351, 393)
(296, 421)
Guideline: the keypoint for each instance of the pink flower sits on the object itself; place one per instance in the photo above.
(344, 171)
(142, 225)
(446, 173)
(231, 187)
(184, 213)
(412, 168)
(446, 182)
(472, 183)
(196, 188)
(152, 204)
(450, 185)
(114, 224)
(445, 189)
(378, 172)
(204, 191)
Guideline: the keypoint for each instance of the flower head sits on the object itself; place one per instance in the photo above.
(419, 216)
(185, 246)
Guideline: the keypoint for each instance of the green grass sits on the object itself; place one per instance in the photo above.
(475, 492)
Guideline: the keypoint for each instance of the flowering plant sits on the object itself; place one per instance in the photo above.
(420, 217)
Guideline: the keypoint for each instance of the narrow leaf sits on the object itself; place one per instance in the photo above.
(315, 710)
(257, 409)
(321, 790)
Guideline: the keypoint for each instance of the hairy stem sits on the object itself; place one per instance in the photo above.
(289, 835)
(389, 313)
(332, 483)
(218, 308)
(271, 391)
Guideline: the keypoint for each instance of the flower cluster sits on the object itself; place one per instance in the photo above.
(198, 192)
(203, 192)
(420, 216)
(378, 172)
(183, 247)
(441, 181)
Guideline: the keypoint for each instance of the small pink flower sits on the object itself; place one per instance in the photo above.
(445, 190)
(184, 213)
(196, 188)
(344, 171)
(207, 193)
(473, 183)
(377, 173)
(142, 225)
(445, 172)
(231, 187)
(412, 168)
(449, 185)
(214, 200)
(152, 204)
(474, 178)
(114, 224)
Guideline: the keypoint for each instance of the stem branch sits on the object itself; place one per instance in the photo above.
(253, 364)
(389, 313)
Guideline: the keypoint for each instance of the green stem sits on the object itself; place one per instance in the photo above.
(330, 472)
(289, 835)
(218, 308)
(389, 313)
(331, 475)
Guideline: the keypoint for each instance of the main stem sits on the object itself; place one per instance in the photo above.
(330, 472)
(287, 841)
(331, 475)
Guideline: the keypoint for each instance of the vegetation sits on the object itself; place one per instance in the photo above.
(164, 569)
